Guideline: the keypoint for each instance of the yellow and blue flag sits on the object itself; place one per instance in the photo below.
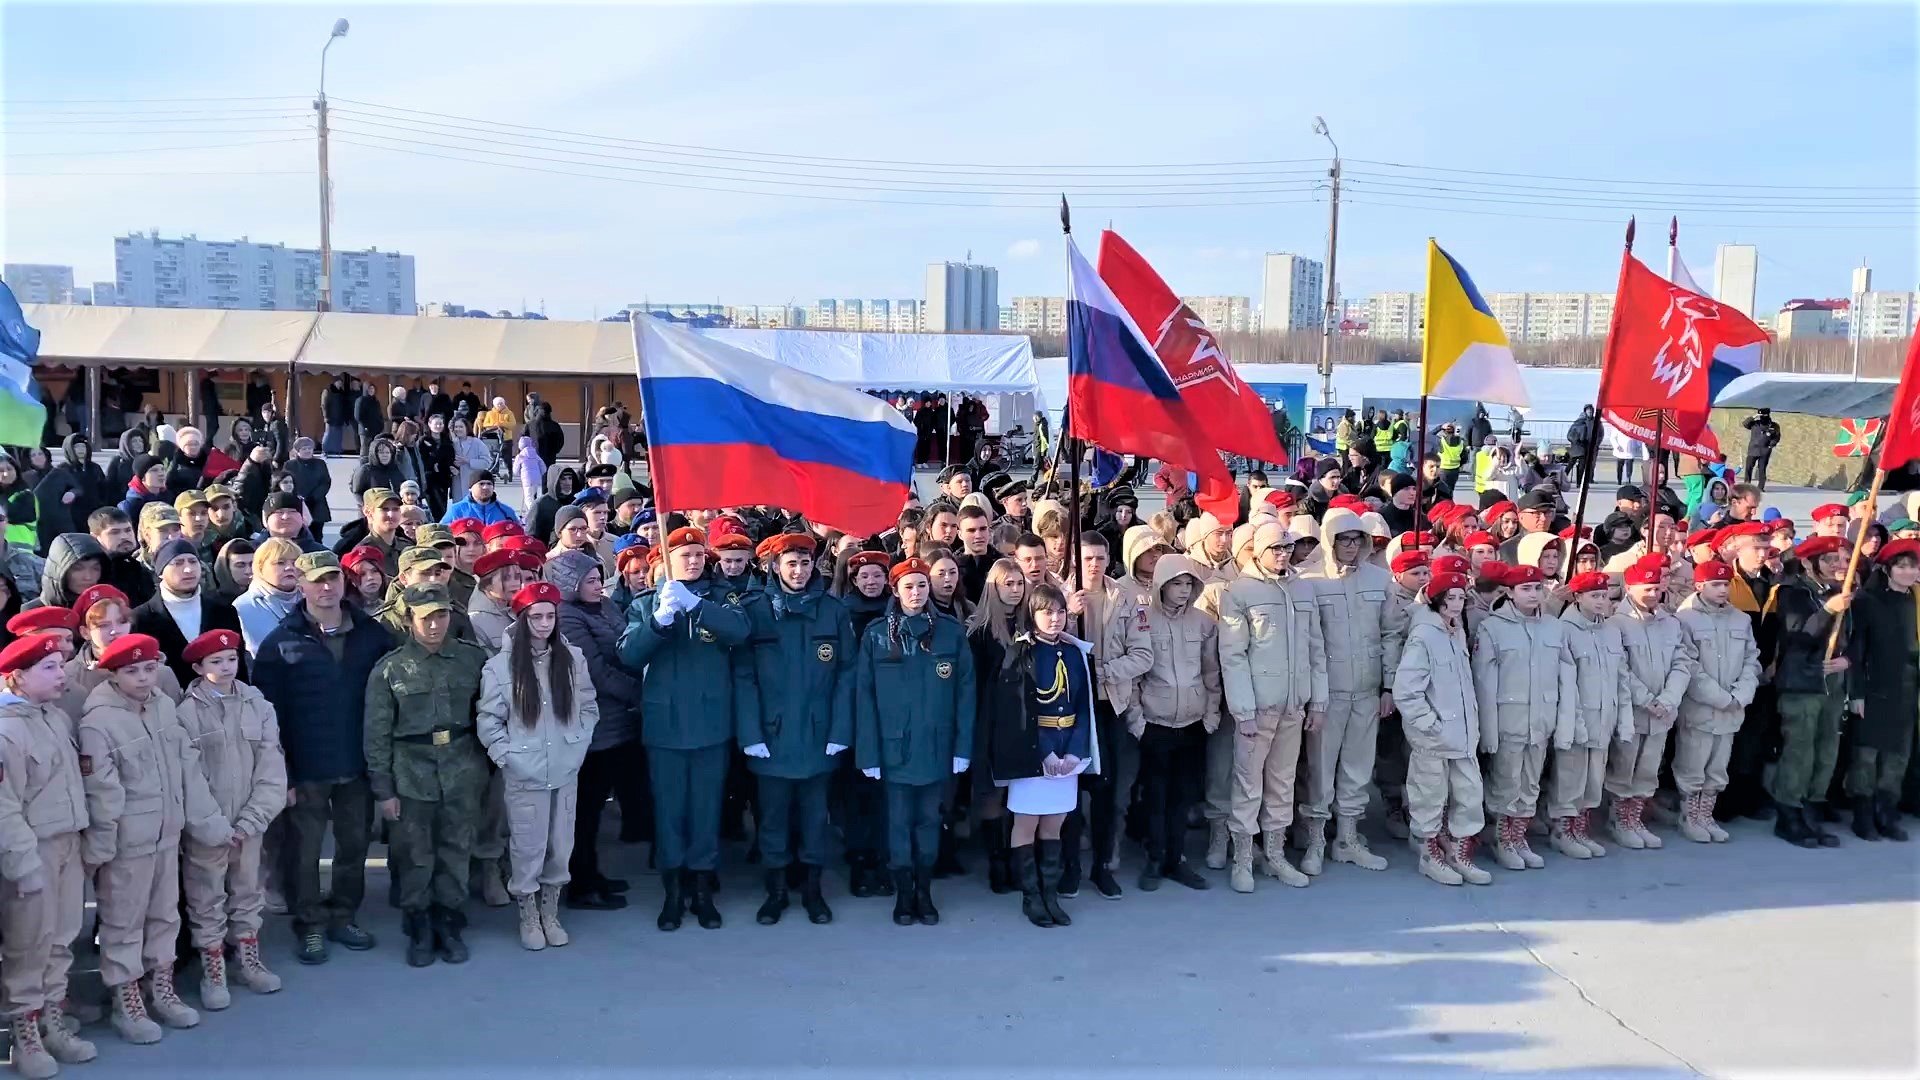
(22, 417)
(1464, 354)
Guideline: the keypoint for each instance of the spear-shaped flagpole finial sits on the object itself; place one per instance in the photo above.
(1066, 216)
(1673, 231)
(1630, 226)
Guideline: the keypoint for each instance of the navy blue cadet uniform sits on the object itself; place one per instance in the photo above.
(913, 715)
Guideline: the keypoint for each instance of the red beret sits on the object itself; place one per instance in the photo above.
(357, 560)
(780, 543)
(1592, 581)
(1745, 528)
(1712, 570)
(536, 592)
(1781, 525)
(1585, 532)
(1452, 564)
(1519, 575)
(723, 526)
(1480, 538)
(28, 651)
(1281, 499)
(1493, 512)
(492, 561)
(1407, 560)
(1442, 584)
(1421, 539)
(1896, 549)
(686, 536)
(43, 618)
(467, 526)
(730, 541)
(909, 567)
(1827, 510)
(1495, 571)
(94, 595)
(500, 529)
(637, 553)
(866, 558)
(1814, 547)
(525, 545)
(211, 642)
(1704, 538)
(1648, 571)
(527, 560)
(132, 649)
(1440, 509)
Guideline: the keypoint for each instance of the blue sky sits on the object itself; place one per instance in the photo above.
(1817, 100)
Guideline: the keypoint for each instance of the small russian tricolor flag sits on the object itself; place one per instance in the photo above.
(728, 428)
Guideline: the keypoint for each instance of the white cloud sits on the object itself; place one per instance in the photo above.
(1023, 249)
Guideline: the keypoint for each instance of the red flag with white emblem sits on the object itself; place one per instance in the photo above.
(1901, 442)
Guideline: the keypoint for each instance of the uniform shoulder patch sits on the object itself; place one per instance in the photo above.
(86, 764)
(825, 652)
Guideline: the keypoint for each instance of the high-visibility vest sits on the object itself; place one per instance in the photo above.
(1483, 462)
(1452, 454)
(1343, 436)
(1383, 438)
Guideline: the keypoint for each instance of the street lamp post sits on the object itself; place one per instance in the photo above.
(326, 184)
(1329, 316)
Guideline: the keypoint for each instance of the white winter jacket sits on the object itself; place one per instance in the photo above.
(1434, 689)
(1726, 666)
(1271, 652)
(547, 755)
(1524, 676)
(1603, 707)
(1659, 662)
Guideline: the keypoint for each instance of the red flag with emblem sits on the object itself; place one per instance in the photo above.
(1901, 442)
(1660, 347)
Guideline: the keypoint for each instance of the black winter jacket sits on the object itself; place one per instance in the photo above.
(320, 702)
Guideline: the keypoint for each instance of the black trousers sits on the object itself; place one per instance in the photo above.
(1173, 765)
(601, 773)
(863, 811)
(1098, 817)
(1756, 743)
(347, 807)
(785, 803)
(913, 824)
(1756, 471)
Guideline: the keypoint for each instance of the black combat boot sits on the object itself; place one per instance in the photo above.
(859, 881)
(1027, 873)
(675, 906)
(946, 863)
(881, 879)
(1886, 817)
(1791, 825)
(702, 903)
(923, 908)
(999, 871)
(447, 924)
(1863, 826)
(818, 913)
(1049, 873)
(419, 931)
(1815, 815)
(1067, 884)
(903, 898)
(776, 898)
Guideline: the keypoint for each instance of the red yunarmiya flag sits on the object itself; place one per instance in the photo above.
(1901, 443)
(1660, 348)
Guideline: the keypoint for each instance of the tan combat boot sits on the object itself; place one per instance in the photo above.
(213, 979)
(1216, 845)
(530, 936)
(1313, 857)
(1584, 823)
(550, 927)
(1708, 821)
(1620, 823)
(1506, 843)
(1350, 847)
(130, 1019)
(1241, 880)
(1647, 835)
(1276, 864)
(30, 1058)
(253, 972)
(166, 1005)
(1460, 857)
(1566, 838)
(66, 1047)
(1521, 844)
(1433, 861)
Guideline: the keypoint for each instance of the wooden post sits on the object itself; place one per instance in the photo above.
(1420, 473)
(1853, 561)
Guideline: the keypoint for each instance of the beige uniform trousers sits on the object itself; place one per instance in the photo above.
(226, 894)
(1221, 753)
(1340, 757)
(1577, 778)
(1264, 766)
(1700, 760)
(1633, 765)
(490, 839)
(542, 838)
(37, 931)
(1513, 779)
(1443, 792)
(138, 901)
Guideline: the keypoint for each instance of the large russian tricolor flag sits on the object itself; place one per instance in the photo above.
(1121, 395)
(728, 428)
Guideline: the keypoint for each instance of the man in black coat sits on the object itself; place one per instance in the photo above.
(1885, 658)
(113, 530)
(73, 488)
(1763, 434)
(180, 612)
(369, 416)
(336, 406)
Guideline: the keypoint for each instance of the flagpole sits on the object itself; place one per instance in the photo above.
(1073, 467)
(1853, 561)
(1599, 415)
(1420, 457)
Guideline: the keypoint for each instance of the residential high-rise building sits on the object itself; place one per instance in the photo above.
(870, 316)
(1862, 280)
(1884, 315)
(39, 283)
(1396, 316)
(187, 272)
(1222, 314)
(1291, 294)
(1532, 318)
(1736, 276)
(962, 296)
(1045, 315)
(1801, 319)
(105, 294)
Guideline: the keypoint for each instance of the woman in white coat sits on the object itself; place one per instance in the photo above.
(536, 719)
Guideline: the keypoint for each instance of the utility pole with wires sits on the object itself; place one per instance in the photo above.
(1330, 317)
(326, 182)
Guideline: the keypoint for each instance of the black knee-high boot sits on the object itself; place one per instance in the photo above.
(995, 833)
(1071, 830)
(1049, 851)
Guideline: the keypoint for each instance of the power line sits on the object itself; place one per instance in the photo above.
(122, 100)
(1375, 200)
(175, 131)
(149, 149)
(1644, 202)
(1547, 191)
(1596, 180)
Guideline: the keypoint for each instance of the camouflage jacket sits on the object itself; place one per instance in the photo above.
(420, 737)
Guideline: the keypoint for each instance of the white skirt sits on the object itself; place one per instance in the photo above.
(1043, 794)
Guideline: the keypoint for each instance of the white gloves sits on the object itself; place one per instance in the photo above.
(758, 750)
(666, 606)
(834, 748)
(959, 765)
(684, 599)
(871, 774)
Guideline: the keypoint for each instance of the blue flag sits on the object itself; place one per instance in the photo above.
(22, 418)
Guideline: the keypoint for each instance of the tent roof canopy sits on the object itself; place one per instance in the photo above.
(1812, 395)
(425, 345)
